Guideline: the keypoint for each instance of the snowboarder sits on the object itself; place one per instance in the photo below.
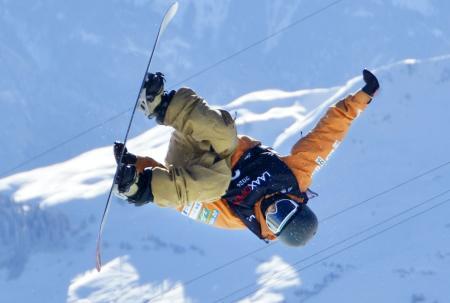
(215, 176)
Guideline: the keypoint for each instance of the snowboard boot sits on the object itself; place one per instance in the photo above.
(153, 100)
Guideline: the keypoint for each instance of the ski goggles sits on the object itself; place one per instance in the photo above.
(279, 214)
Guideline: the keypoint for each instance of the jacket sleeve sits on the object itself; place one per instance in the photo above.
(144, 162)
(312, 152)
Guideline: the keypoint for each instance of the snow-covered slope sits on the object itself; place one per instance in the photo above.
(48, 233)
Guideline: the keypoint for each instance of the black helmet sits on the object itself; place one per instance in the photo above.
(293, 223)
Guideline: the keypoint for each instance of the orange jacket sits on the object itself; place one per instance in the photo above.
(307, 156)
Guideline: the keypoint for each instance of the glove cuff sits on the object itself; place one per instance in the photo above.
(370, 89)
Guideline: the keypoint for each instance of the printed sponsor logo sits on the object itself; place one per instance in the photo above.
(243, 181)
(204, 216)
(286, 190)
(320, 161)
(213, 218)
(236, 174)
(251, 218)
(250, 187)
(187, 209)
(259, 180)
(196, 209)
(244, 193)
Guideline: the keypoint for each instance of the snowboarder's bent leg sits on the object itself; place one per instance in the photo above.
(190, 115)
(198, 161)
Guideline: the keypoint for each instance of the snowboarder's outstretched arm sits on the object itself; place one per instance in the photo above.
(311, 152)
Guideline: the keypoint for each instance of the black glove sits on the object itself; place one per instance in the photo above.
(128, 158)
(133, 187)
(372, 84)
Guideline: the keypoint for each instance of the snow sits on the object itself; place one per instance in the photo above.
(383, 204)
(424, 7)
(275, 275)
(83, 177)
(120, 280)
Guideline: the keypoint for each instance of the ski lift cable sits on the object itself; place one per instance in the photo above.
(206, 69)
(412, 179)
(68, 140)
(277, 276)
(376, 195)
(256, 43)
(359, 242)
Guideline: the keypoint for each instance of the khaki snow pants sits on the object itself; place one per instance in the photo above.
(198, 162)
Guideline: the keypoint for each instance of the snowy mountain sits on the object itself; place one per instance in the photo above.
(69, 67)
(48, 232)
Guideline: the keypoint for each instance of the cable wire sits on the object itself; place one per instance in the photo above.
(256, 43)
(321, 221)
(204, 70)
(386, 191)
(279, 274)
(58, 145)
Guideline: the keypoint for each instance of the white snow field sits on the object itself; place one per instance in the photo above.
(384, 204)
